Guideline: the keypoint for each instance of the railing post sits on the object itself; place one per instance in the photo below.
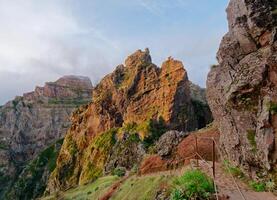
(196, 149)
(213, 158)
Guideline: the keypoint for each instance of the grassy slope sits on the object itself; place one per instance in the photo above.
(89, 191)
(141, 188)
(135, 188)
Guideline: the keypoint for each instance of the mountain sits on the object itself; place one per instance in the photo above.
(242, 89)
(131, 108)
(32, 122)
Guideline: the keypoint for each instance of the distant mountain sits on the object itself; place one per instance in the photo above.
(32, 122)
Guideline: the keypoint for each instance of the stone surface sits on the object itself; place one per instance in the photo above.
(137, 93)
(242, 90)
(30, 123)
(168, 142)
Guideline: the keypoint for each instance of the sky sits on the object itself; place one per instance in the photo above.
(42, 40)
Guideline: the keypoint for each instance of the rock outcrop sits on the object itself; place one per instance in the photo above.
(30, 123)
(242, 90)
(131, 108)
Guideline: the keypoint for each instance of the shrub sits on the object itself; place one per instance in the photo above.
(156, 129)
(119, 171)
(194, 184)
(270, 186)
(257, 186)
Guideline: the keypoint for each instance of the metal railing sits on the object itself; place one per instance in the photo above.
(196, 155)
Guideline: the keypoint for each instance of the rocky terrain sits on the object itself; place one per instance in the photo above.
(32, 122)
(242, 89)
(131, 108)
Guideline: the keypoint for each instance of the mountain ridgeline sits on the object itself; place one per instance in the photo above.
(31, 123)
(131, 108)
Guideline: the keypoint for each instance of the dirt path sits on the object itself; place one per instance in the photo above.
(226, 185)
(113, 189)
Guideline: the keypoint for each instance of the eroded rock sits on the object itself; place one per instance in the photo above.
(241, 91)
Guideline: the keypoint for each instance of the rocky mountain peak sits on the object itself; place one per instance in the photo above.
(138, 58)
(73, 81)
(138, 101)
(66, 87)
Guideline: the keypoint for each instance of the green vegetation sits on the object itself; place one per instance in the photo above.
(90, 191)
(194, 184)
(141, 188)
(251, 134)
(96, 156)
(272, 107)
(257, 186)
(71, 145)
(149, 131)
(31, 183)
(155, 128)
(235, 171)
(119, 171)
(73, 102)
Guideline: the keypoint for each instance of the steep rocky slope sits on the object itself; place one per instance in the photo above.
(242, 90)
(131, 108)
(30, 123)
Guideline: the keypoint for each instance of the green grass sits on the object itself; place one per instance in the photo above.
(257, 186)
(90, 191)
(235, 171)
(194, 184)
(141, 188)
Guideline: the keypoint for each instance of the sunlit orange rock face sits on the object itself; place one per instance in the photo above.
(242, 90)
(135, 92)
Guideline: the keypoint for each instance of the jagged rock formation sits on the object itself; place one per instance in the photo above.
(132, 107)
(197, 93)
(30, 123)
(242, 90)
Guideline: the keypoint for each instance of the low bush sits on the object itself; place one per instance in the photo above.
(257, 186)
(194, 184)
(119, 171)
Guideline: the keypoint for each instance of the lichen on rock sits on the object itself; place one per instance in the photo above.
(240, 89)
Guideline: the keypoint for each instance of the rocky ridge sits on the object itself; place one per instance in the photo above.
(131, 108)
(242, 90)
(32, 122)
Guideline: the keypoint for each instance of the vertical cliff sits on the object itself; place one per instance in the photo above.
(32, 122)
(242, 89)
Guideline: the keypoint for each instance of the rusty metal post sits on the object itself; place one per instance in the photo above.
(213, 158)
(196, 149)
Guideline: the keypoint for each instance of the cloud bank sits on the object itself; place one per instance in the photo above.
(43, 40)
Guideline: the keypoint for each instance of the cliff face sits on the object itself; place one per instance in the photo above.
(30, 123)
(242, 90)
(131, 108)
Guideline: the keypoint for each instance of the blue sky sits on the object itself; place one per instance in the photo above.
(43, 40)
